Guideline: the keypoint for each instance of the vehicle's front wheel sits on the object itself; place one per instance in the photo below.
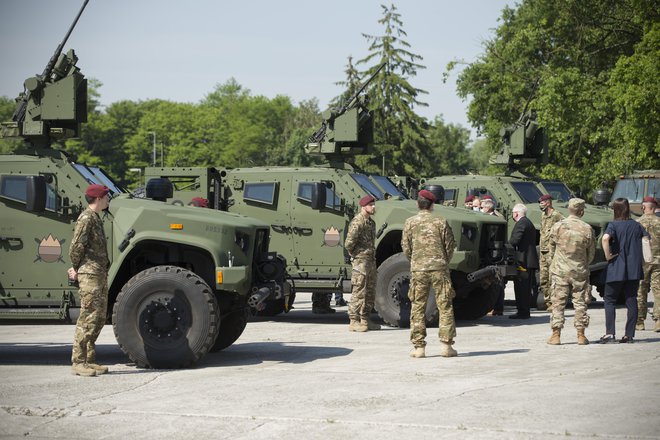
(165, 317)
(392, 285)
(231, 328)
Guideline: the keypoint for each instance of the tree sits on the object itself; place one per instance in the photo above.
(447, 144)
(585, 55)
(398, 130)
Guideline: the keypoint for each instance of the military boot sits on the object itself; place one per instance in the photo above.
(657, 326)
(446, 350)
(582, 339)
(321, 304)
(418, 352)
(372, 325)
(556, 333)
(100, 369)
(82, 370)
(640, 326)
(353, 325)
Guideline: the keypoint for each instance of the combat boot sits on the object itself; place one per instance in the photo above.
(657, 326)
(100, 369)
(640, 326)
(82, 370)
(582, 339)
(353, 325)
(418, 352)
(446, 350)
(554, 339)
(372, 325)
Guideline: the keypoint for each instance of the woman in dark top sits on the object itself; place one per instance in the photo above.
(622, 244)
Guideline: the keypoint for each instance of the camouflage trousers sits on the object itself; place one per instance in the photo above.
(580, 290)
(363, 293)
(544, 277)
(420, 287)
(651, 282)
(93, 307)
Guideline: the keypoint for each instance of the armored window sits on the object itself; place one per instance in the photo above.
(631, 189)
(15, 188)
(332, 201)
(260, 192)
(557, 190)
(527, 191)
(450, 194)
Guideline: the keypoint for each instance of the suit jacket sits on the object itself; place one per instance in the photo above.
(523, 240)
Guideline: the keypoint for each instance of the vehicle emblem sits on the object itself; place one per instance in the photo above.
(49, 249)
(331, 236)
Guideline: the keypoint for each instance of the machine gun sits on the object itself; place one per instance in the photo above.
(348, 130)
(53, 104)
(524, 142)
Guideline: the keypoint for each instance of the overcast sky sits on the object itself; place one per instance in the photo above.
(179, 51)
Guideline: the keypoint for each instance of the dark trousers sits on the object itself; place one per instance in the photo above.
(499, 302)
(522, 286)
(612, 292)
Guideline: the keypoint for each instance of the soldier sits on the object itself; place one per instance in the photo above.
(90, 263)
(429, 244)
(571, 247)
(361, 246)
(468, 202)
(199, 202)
(549, 216)
(651, 270)
(476, 204)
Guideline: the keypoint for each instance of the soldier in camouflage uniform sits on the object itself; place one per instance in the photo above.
(429, 243)
(360, 244)
(572, 246)
(549, 216)
(651, 270)
(89, 258)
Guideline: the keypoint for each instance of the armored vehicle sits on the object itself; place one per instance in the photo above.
(523, 143)
(309, 208)
(181, 281)
(636, 186)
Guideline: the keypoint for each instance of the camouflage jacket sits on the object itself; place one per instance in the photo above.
(361, 237)
(428, 242)
(547, 222)
(652, 225)
(572, 247)
(88, 251)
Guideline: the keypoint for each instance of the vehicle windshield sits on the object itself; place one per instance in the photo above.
(653, 188)
(387, 186)
(96, 175)
(528, 191)
(367, 185)
(631, 189)
(558, 190)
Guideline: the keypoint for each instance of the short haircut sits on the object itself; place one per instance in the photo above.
(520, 208)
(621, 209)
(89, 199)
(424, 203)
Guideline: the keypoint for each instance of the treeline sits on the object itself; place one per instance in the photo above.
(590, 67)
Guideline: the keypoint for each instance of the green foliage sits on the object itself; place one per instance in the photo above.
(597, 65)
(447, 144)
(7, 108)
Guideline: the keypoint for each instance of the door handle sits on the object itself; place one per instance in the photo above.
(302, 231)
(282, 229)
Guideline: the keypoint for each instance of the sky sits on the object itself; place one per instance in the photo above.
(180, 51)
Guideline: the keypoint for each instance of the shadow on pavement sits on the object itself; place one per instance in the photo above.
(258, 352)
(492, 353)
(49, 353)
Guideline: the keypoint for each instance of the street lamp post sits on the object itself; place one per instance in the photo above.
(153, 133)
(139, 171)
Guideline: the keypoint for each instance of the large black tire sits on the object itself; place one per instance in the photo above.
(477, 303)
(165, 317)
(538, 300)
(231, 328)
(392, 284)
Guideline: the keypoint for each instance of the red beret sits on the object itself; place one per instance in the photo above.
(487, 197)
(427, 195)
(649, 199)
(97, 191)
(364, 201)
(469, 198)
(545, 197)
(200, 202)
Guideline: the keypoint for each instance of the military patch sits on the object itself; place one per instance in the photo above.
(49, 249)
(331, 236)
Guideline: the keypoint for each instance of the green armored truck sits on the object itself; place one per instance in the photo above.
(309, 209)
(637, 185)
(522, 143)
(181, 281)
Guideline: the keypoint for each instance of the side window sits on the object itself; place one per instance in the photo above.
(261, 193)
(15, 188)
(304, 194)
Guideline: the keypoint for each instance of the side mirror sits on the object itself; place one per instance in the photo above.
(36, 194)
(318, 196)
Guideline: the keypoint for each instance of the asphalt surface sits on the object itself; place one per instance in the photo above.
(304, 376)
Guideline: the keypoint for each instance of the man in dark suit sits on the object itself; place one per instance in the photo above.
(523, 240)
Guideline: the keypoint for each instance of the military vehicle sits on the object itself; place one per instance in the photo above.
(181, 281)
(523, 143)
(636, 186)
(309, 208)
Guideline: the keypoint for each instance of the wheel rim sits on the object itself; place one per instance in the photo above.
(398, 289)
(164, 318)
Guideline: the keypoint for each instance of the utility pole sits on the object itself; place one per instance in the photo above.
(153, 133)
